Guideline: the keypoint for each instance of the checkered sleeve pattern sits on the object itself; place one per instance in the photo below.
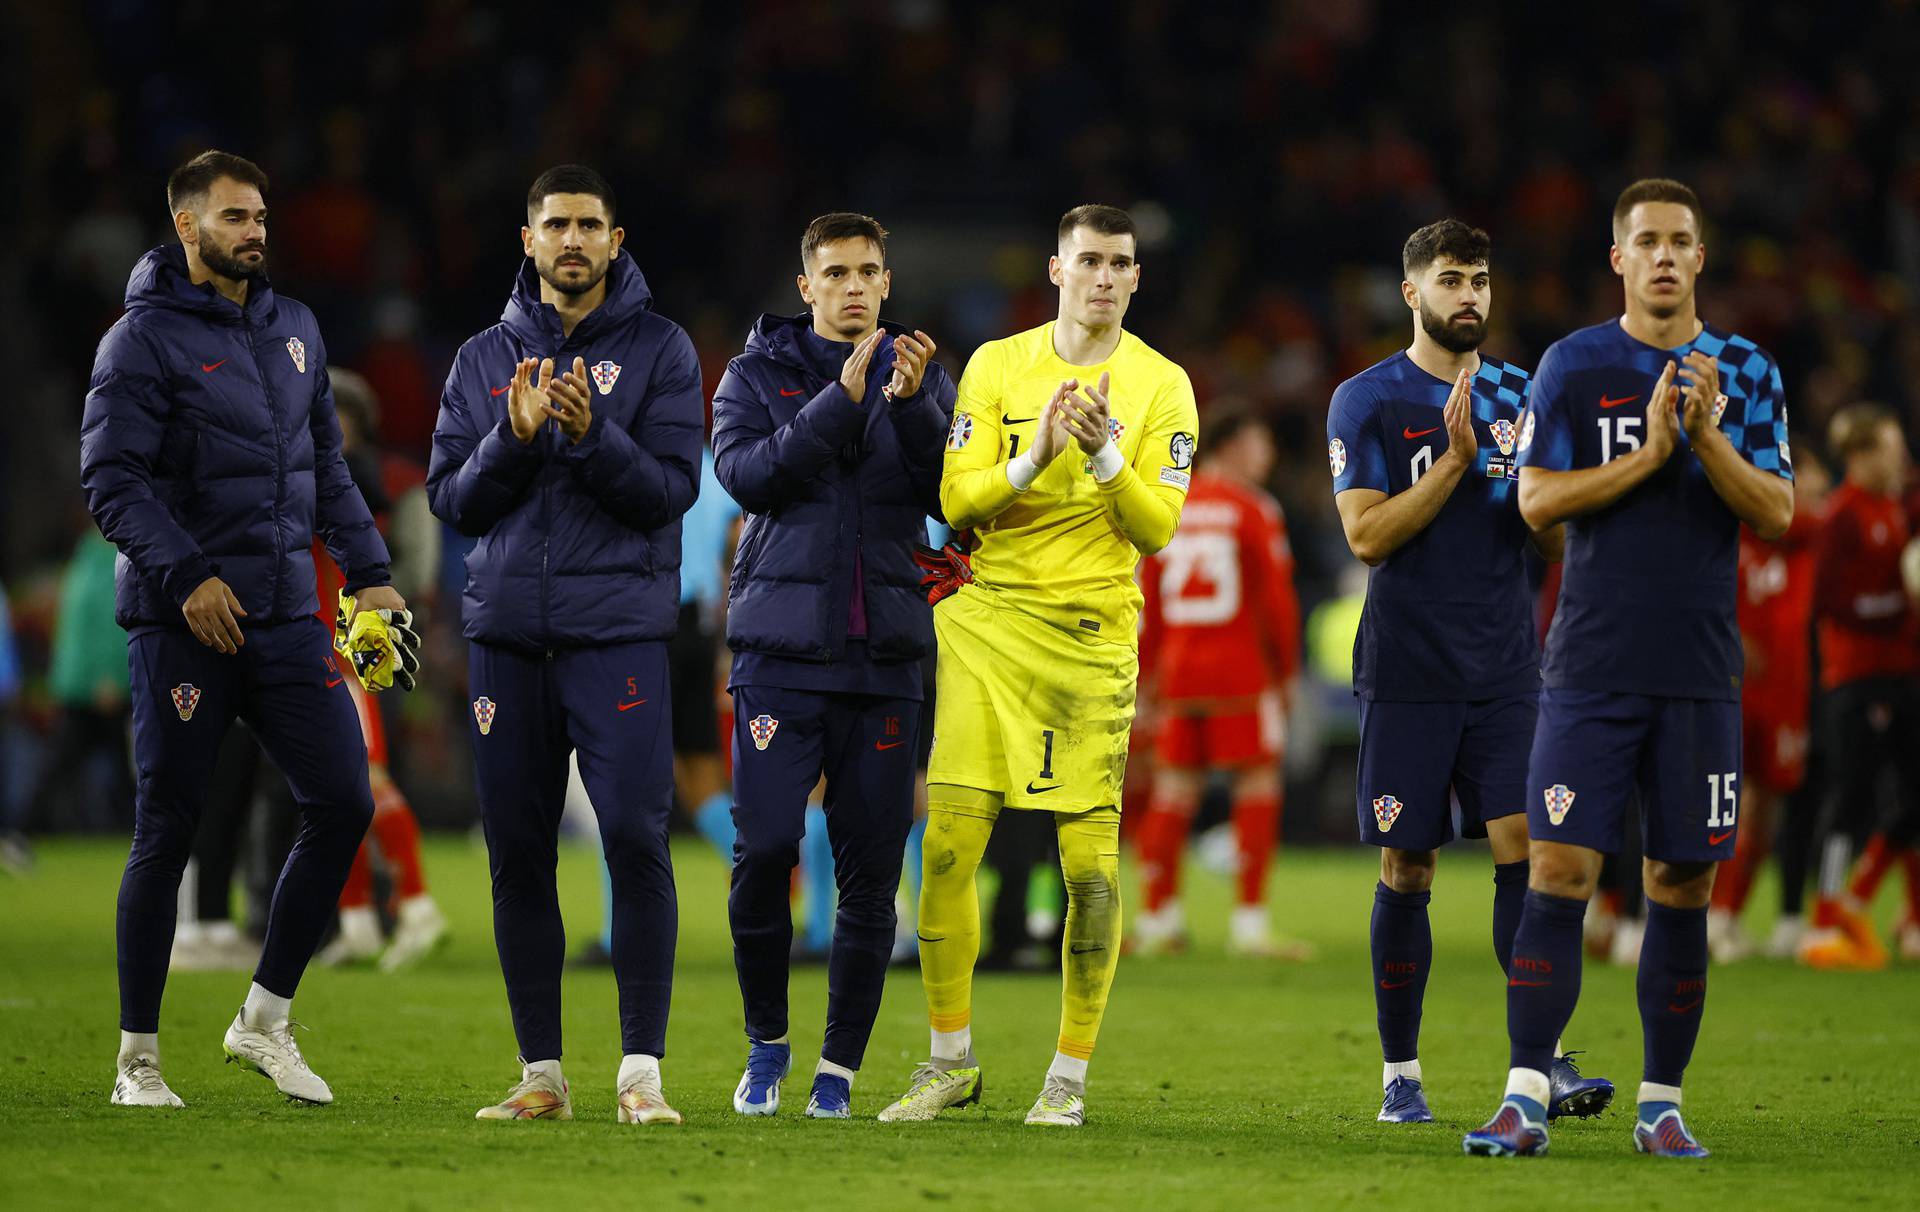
(1756, 417)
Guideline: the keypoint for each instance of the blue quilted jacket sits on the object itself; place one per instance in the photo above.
(579, 543)
(818, 476)
(209, 447)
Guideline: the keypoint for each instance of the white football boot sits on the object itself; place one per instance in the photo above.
(358, 942)
(1060, 1105)
(538, 1095)
(420, 929)
(933, 1090)
(641, 1101)
(137, 1083)
(271, 1052)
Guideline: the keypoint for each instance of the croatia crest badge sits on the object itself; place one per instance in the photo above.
(186, 696)
(1559, 801)
(605, 375)
(1386, 810)
(483, 714)
(297, 350)
(762, 728)
(1503, 435)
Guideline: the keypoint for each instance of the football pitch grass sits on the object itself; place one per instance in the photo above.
(1218, 1082)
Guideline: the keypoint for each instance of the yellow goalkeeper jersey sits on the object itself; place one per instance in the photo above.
(1066, 549)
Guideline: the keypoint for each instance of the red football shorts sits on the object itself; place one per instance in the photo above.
(1205, 740)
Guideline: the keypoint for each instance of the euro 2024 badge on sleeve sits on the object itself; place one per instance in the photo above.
(186, 697)
(1337, 456)
(958, 435)
(605, 374)
(1386, 810)
(761, 727)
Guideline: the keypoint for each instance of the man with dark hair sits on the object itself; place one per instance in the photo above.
(1220, 644)
(1445, 666)
(210, 456)
(574, 484)
(1641, 678)
(828, 430)
(1069, 455)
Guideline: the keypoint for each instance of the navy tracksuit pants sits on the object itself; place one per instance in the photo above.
(284, 683)
(610, 706)
(783, 741)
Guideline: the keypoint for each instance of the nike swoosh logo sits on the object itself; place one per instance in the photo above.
(1612, 402)
(1410, 432)
(1692, 1005)
(1017, 420)
(1032, 790)
(501, 391)
(210, 367)
(1083, 949)
(798, 391)
(1517, 984)
(883, 746)
(335, 682)
(628, 706)
(1396, 984)
(1714, 839)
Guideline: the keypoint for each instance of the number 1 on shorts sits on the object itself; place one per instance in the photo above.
(1046, 762)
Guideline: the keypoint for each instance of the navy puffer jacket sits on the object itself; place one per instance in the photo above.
(817, 475)
(209, 447)
(579, 542)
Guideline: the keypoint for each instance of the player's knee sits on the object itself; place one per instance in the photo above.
(1567, 871)
(1408, 871)
(1681, 885)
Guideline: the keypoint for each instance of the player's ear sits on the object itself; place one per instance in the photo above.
(526, 241)
(1053, 269)
(806, 289)
(616, 238)
(886, 284)
(185, 227)
(1411, 294)
(1613, 259)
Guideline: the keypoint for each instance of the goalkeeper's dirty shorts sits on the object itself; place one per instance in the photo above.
(1030, 710)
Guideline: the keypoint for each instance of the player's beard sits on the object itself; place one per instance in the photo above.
(1452, 337)
(227, 263)
(550, 274)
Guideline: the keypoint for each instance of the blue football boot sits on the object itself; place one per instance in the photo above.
(759, 1090)
(1404, 1103)
(832, 1097)
(1517, 1129)
(1573, 1094)
(1666, 1136)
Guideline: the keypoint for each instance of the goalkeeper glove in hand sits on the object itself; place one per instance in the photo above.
(945, 570)
(382, 645)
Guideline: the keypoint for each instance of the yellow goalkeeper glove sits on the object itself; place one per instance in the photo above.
(382, 645)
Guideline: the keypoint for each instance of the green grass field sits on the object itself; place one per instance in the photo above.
(1218, 1083)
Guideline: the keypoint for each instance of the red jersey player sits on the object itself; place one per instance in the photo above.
(1869, 660)
(389, 483)
(1776, 697)
(1222, 641)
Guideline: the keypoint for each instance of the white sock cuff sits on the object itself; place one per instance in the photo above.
(139, 1043)
(264, 1008)
(544, 1068)
(1073, 1068)
(1654, 1092)
(1529, 1083)
(638, 1064)
(1393, 1069)
(953, 1045)
(840, 1071)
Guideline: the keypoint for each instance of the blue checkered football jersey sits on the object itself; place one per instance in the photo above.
(1448, 616)
(1648, 598)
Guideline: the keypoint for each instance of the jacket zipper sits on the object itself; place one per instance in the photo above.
(279, 465)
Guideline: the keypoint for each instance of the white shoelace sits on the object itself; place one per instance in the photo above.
(144, 1075)
(1056, 1092)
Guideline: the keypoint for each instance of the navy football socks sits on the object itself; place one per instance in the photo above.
(1509, 898)
(1543, 980)
(1672, 984)
(1402, 953)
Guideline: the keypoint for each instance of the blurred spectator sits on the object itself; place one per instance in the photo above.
(87, 778)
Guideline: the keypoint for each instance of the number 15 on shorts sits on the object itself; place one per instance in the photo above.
(1723, 802)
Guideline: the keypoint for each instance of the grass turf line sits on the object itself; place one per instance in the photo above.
(1218, 1082)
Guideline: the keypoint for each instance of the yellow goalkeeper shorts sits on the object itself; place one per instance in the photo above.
(1027, 709)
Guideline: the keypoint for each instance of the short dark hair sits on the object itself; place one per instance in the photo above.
(1225, 420)
(1449, 238)
(189, 183)
(1107, 220)
(1655, 189)
(841, 225)
(354, 400)
(569, 179)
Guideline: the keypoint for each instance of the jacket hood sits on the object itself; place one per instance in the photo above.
(787, 340)
(160, 279)
(538, 324)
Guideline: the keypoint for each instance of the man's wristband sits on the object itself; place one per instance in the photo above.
(1107, 462)
(1022, 471)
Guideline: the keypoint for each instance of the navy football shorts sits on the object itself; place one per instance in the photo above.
(1413, 754)
(1593, 749)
